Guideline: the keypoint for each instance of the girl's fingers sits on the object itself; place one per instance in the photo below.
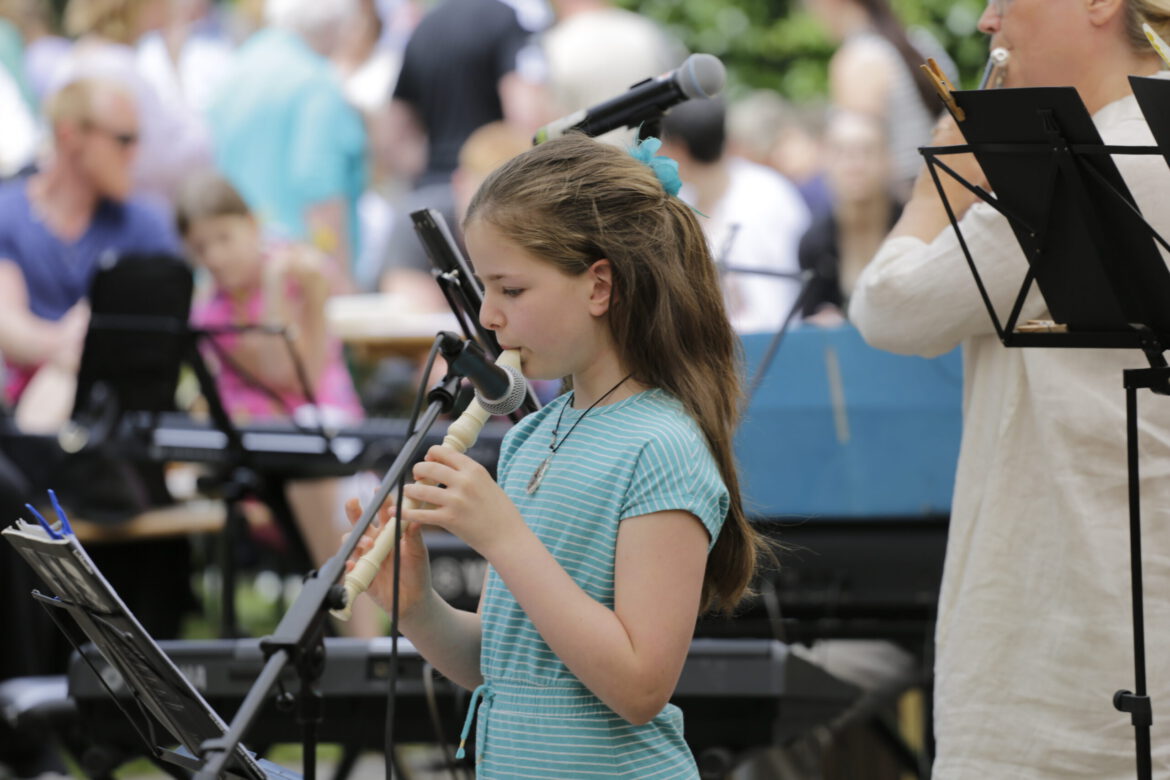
(438, 473)
(426, 494)
(448, 456)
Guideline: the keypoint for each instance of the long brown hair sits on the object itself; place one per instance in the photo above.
(886, 24)
(572, 201)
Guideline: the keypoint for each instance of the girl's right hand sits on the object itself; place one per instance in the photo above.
(415, 584)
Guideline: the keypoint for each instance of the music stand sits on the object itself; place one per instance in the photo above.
(137, 343)
(138, 327)
(130, 362)
(166, 696)
(1093, 257)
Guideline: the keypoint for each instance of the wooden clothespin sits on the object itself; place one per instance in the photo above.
(944, 87)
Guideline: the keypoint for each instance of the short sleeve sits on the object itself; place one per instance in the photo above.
(675, 471)
(513, 40)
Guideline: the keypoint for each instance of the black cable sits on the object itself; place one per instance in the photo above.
(432, 700)
(303, 381)
(777, 339)
(250, 379)
(392, 677)
(771, 601)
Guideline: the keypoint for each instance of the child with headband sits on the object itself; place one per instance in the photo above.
(616, 520)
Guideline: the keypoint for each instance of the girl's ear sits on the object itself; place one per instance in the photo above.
(600, 276)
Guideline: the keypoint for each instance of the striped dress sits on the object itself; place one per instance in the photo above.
(641, 455)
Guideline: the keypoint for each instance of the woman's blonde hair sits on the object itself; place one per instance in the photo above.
(115, 20)
(572, 201)
(1155, 13)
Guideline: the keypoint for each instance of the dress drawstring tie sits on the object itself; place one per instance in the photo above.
(481, 692)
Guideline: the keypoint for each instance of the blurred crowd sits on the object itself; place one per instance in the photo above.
(280, 146)
(335, 120)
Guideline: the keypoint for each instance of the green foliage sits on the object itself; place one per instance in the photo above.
(777, 44)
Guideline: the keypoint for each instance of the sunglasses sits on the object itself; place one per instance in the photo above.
(123, 139)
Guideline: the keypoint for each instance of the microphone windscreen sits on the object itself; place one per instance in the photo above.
(512, 399)
(701, 76)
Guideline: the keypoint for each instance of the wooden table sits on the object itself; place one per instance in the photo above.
(379, 325)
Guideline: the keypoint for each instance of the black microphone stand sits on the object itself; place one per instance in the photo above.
(458, 283)
(299, 637)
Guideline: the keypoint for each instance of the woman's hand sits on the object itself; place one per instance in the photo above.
(947, 133)
(469, 504)
(415, 585)
(924, 216)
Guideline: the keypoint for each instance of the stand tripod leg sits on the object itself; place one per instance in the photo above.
(1137, 703)
(234, 527)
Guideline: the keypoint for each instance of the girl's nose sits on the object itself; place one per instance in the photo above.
(489, 315)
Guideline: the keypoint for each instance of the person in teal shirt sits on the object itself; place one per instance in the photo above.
(286, 137)
(617, 518)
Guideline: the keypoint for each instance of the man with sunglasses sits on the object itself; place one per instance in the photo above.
(54, 227)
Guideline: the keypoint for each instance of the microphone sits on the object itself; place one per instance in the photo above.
(700, 76)
(499, 388)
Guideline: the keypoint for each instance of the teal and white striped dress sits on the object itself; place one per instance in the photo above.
(641, 455)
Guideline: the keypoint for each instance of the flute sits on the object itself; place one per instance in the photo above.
(460, 436)
(996, 70)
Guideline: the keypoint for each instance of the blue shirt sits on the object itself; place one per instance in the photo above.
(639, 456)
(285, 135)
(57, 273)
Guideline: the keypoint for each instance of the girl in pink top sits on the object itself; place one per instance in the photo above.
(283, 287)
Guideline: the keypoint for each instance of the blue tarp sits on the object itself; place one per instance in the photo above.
(840, 429)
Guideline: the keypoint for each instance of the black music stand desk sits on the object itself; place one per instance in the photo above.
(1091, 254)
(162, 693)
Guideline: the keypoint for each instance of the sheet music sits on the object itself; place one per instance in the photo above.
(147, 671)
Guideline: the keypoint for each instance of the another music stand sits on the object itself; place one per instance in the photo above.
(1093, 257)
(137, 343)
(138, 331)
(166, 697)
(133, 351)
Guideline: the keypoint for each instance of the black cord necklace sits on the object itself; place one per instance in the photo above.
(554, 445)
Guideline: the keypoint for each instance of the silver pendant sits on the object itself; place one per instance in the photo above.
(538, 475)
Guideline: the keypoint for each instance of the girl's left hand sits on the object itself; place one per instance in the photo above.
(470, 504)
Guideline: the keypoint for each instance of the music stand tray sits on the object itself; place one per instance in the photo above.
(1091, 254)
(164, 695)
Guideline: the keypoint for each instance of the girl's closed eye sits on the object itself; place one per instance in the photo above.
(511, 292)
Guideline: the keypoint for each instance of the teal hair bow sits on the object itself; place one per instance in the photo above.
(664, 167)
